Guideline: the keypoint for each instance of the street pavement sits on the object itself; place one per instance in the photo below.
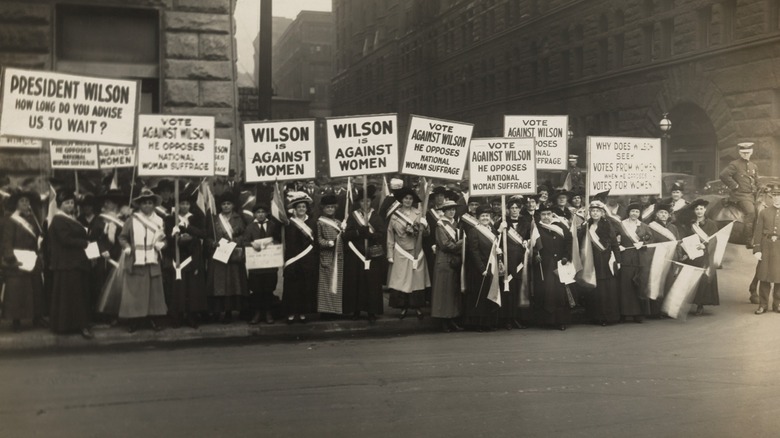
(709, 376)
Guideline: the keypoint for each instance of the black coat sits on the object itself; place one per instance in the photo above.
(68, 239)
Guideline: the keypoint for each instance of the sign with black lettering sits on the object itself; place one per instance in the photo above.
(112, 157)
(174, 145)
(502, 166)
(20, 143)
(222, 157)
(279, 151)
(363, 145)
(56, 106)
(551, 134)
(624, 165)
(436, 148)
(73, 155)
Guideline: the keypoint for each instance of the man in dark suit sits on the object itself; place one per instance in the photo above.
(262, 282)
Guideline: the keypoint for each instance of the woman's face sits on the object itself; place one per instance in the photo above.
(300, 209)
(184, 207)
(147, 207)
(576, 201)
(662, 215)
(407, 201)
(227, 207)
(700, 210)
(484, 218)
(596, 213)
(329, 210)
(634, 214)
(514, 211)
(23, 205)
(449, 213)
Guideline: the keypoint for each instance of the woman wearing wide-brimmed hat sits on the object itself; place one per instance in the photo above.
(70, 269)
(635, 269)
(330, 244)
(446, 300)
(707, 292)
(602, 238)
(301, 260)
(105, 230)
(227, 283)
(23, 287)
(142, 239)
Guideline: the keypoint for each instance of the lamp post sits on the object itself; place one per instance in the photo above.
(665, 125)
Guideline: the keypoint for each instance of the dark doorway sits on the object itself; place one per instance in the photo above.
(692, 145)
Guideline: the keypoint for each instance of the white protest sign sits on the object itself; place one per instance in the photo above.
(363, 145)
(73, 155)
(436, 148)
(624, 165)
(551, 134)
(222, 157)
(20, 143)
(271, 256)
(502, 166)
(280, 151)
(42, 104)
(116, 156)
(174, 145)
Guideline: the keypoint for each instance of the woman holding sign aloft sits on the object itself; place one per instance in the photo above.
(408, 276)
(227, 282)
(301, 262)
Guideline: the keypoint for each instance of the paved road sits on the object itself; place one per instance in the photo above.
(710, 376)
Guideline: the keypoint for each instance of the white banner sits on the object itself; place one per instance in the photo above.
(73, 155)
(624, 166)
(174, 145)
(502, 166)
(363, 145)
(272, 256)
(551, 134)
(116, 156)
(279, 151)
(20, 143)
(222, 157)
(436, 148)
(42, 104)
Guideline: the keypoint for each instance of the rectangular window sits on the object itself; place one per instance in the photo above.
(647, 43)
(703, 27)
(619, 48)
(667, 32)
(729, 12)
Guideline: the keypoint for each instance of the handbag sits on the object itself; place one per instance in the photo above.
(375, 251)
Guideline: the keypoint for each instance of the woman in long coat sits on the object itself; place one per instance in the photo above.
(479, 312)
(635, 268)
(331, 249)
(605, 298)
(517, 230)
(188, 294)
(227, 284)
(363, 240)
(446, 302)
(142, 239)
(23, 288)
(552, 296)
(105, 230)
(70, 269)
(408, 275)
(663, 230)
(707, 291)
(301, 262)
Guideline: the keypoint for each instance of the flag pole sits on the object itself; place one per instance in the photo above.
(503, 235)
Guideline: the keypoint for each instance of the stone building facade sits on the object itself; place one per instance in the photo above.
(614, 66)
(182, 51)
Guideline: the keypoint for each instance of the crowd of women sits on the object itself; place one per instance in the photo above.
(97, 258)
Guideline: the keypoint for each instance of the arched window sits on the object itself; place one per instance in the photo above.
(620, 21)
(603, 54)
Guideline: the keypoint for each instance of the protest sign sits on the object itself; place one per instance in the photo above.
(624, 165)
(222, 157)
(280, 151)
(271, 256)
(363, 145)
(173, 145)
(20, 143)
(73, 155)
(502, 166)
(436, 148)
(551, 134)
(42, 104)
(112, 157)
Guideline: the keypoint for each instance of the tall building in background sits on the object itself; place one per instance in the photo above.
(303, 61)
(614, 67)
(249, 78)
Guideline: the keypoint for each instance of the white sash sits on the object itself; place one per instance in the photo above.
(699, 232)
(112, 219)
(629, 231)
(334, 278)
(448, 227)
(364, 222)
(366, 262)
(437, 214)
(595, 238)
(184, 220)
(70, 218)
(403, 217)
(298, 257)
(648, 211)
(554, 229)
(469, 219)
(24, 224)
(303, 227)
(146, 222)
(145, 252)
(330, 222)
(182, 265)
(393, 207)
(415, 261)
(487, 232)
(226, 225)
(660, 229)
(680, 203)
(161, 211)
(514, 235)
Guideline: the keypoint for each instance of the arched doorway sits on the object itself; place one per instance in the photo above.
(693, 144)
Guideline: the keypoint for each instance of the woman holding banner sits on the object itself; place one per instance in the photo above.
(707, 292)
(635, 269)
(408, 276)
(363, 274)
(23, 285)
(301, 261)
(70, 269)
(663, 231)
(605, 252)
(517, 231)
(227, 284)
(479, 310)
(105, 231)
(331, 249)
(553, 298)
(446, 299)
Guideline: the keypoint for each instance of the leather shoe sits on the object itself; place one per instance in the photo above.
(455, 326)
(156, 327)
(86, 333)
(760, 311)
(562, 328)
(255, 319)
(419, 314)
(269, 318)
(403, 314)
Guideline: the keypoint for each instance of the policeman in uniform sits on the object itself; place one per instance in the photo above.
(741, 176)
(766, 239)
